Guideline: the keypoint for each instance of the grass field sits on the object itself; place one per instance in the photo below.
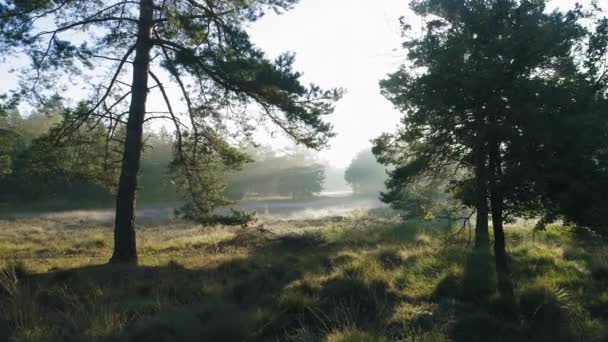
(361, 278)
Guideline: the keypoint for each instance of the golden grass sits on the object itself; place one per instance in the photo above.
(361, 278)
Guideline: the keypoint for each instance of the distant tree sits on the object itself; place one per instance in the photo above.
(255, 177)
(301, 182)
(486, 89)
(291, 172)
(156, 184)
(365, 175)
(198, 46)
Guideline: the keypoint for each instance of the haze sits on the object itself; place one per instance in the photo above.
(351, 44)
(165, 174)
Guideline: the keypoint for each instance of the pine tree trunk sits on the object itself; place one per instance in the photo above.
(499, 236)
(496, 201)
(125, 248)
(482, 238)
(499, 232)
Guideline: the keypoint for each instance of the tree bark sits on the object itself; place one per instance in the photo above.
(497, 204)
(499, 233)
(482, 238)
(125, 247)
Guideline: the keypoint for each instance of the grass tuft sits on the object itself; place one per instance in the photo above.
(353, 335)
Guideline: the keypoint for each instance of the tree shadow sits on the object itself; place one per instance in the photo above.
(474, 304)
(481, 312)
(282, 285)
(589, 249)
(238, 299)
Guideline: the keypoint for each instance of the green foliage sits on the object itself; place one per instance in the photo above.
(43, 168)
(294, 172)
(508, 94)
(8, 137)
(419, 194)
(155, 184)
(78, 170)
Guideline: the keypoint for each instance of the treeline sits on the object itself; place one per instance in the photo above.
(38, 171)
(294, 173)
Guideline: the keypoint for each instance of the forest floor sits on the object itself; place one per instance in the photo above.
(365, 277)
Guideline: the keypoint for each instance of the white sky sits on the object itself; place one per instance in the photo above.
(342, 43)
(338, 43)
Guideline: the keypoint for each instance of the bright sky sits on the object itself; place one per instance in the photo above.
(338, 43)
(343, 43)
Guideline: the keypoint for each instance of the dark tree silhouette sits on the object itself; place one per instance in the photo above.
(497, 88)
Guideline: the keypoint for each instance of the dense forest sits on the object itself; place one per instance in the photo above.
(479, 217)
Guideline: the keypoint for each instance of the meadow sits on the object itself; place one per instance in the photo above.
(365, 277)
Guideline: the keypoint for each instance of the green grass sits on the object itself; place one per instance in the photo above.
(364, 278)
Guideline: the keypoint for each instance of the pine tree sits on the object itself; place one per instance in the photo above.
(196, 46)
(488, 88)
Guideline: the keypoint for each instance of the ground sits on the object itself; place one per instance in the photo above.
(364, 277)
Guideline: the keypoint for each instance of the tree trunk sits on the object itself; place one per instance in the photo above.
(125, 248)
(482, 238)
(499, 233)
(496, 201)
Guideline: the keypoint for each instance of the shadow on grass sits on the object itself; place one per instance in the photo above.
(478, 312)
(471, 299)
(298, 287)
(236, 300)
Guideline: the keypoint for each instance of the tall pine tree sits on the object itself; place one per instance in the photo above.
(488, 89)
(124, 50)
